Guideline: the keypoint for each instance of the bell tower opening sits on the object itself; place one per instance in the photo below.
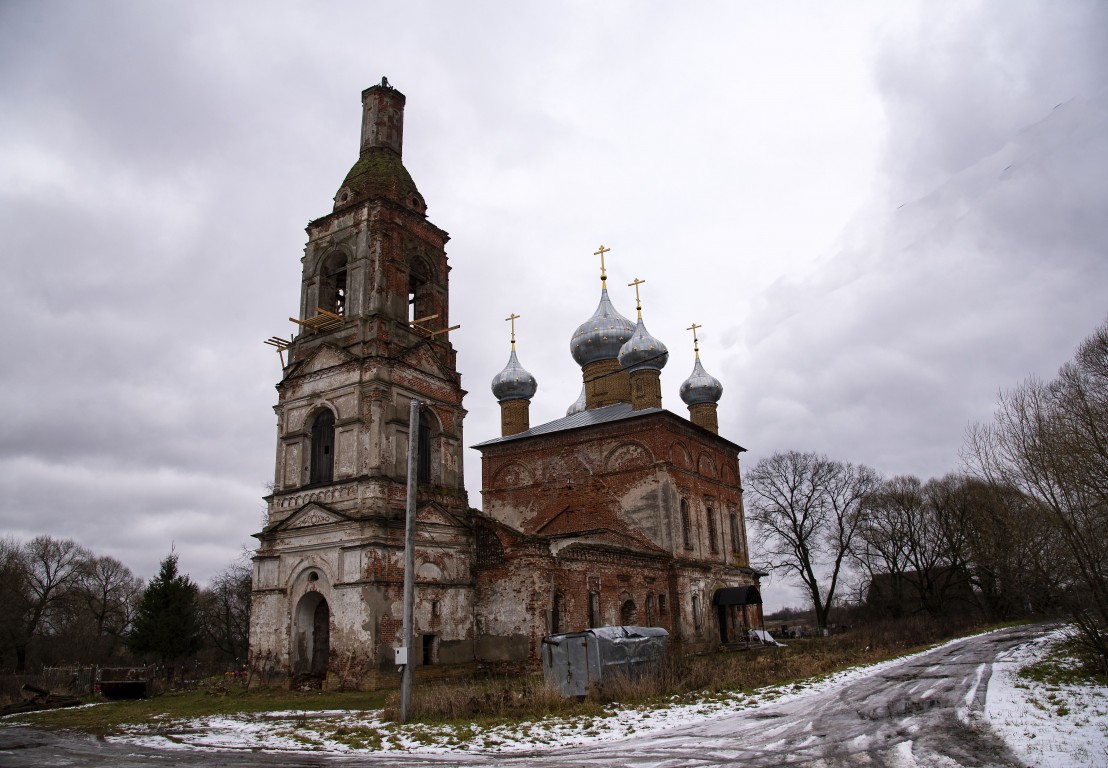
(332, 284)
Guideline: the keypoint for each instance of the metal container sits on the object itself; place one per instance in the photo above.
(575, 660)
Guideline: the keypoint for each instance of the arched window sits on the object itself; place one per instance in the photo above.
(686, 524)
(628, 613)
(698, 622)
(556, 610)
(332, 284)
(736, 539)
(423, 471)
(323, 448)
(490, 552)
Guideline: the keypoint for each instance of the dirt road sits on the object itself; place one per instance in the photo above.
(925, 711)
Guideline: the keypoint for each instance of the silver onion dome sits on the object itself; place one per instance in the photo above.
(514, 382)
(701, 387)
(578, 404)
(643, 351)
(602, 335)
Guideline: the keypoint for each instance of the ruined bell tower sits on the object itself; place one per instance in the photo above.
(372, 334)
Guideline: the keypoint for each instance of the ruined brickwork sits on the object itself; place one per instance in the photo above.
(622, 513)
(636, 512)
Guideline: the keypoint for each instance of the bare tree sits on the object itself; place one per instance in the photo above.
(1011, 549)
(51, 569)
(885, 542)
(108, 593)
(15, 600)
(1050, 440)
(225, 610)
(806, 511)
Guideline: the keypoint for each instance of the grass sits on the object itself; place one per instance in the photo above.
(111, 717)
(1064, 667)
(473, 706)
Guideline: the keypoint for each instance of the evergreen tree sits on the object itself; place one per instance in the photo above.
(167, 625)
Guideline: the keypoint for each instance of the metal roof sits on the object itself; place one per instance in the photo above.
(609, 413)
(737, 596)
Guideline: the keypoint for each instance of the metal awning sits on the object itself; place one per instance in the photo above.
(737, 596)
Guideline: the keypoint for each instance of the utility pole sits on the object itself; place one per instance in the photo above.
(404, 654)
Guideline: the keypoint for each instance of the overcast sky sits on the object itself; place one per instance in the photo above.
(880, 213)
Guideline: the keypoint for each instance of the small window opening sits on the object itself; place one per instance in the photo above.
(313, 576)
(650, 610)
(594, 609)
(435, 608)
(428, 650)
(661, 605)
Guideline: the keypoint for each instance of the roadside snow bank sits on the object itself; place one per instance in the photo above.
(1048, 726)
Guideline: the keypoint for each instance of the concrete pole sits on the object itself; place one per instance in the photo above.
(409, 563)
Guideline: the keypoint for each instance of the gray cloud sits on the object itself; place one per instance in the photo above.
(158, 164)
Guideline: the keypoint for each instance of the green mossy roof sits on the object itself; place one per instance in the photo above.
(379, 173)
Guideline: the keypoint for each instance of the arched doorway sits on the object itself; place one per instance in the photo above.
(311, 635)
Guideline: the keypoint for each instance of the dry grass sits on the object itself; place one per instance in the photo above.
(517, 698)
(491, 699)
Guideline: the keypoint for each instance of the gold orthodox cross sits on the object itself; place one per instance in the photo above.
(638, 304)
(512, 319)
(600, 253)
(695, 343)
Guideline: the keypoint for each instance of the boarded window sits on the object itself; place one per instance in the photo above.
(323, 448)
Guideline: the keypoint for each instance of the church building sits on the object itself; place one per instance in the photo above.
(622, 512)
